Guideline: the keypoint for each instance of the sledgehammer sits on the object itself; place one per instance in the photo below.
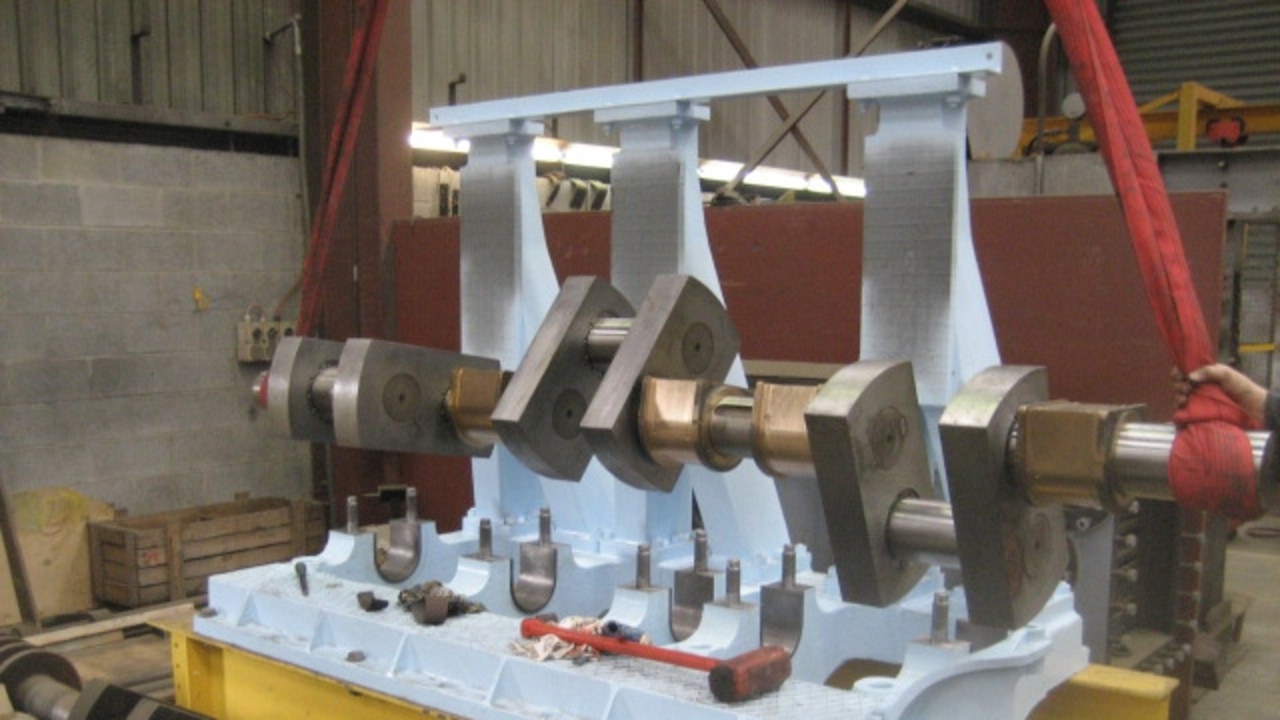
(740, 678)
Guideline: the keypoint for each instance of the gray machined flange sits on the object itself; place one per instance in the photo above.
(1012, 554)
(540, 412)
(291, 409)
(866, 432)
(391, 396)
(682, 331)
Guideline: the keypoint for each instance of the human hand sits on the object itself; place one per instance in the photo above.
(1250, 396)
(1181, 387)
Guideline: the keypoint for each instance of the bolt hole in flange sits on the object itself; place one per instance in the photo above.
(886, 435)
(402, 397)
(566, 414)
(697, 348)
(1038, 544)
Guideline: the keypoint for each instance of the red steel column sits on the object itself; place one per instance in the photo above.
(380, 191)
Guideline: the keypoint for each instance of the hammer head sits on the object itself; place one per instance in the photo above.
(750, 674)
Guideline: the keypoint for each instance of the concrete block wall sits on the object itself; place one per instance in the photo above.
(114, 379)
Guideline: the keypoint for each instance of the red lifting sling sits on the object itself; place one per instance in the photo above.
(1212, 464)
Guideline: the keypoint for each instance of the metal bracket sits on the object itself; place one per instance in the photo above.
(694, 587)
(404, 551)
(782, 607)
(536, 582)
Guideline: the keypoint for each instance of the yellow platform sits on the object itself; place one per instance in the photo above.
(232, 684)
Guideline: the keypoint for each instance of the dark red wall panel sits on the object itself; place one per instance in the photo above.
(1065, 292)
(1061, 281)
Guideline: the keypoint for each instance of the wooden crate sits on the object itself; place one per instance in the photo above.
(170, 556)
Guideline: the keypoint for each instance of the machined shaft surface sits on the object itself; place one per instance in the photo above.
(730, 425)
(605, 338)
(321, 393)
(1142, 451)
(923, 531)
(46, 698)
(1138, 462)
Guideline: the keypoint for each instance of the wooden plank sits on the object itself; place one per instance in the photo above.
(114, 592)
(148, 538)
(298, 527)
(173, 536)
(152, 594)
(150, 52)
(235, 561)
(249, 56)
(110, 533)
(197, 586)
(146, 557)
(115, 62)
(150, 557)
(201, 512)
(95, 561)
(131, 575)
(119, 534)
(185, 77)
(107, 553)
(224, 544)
(10, 50)
(131, 549)
(40, 58)
(279, 90)
(140, 556)
(239, 523)
(118, 622)
(216, 56)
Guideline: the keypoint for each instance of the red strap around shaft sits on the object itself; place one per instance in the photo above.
(1211, 467)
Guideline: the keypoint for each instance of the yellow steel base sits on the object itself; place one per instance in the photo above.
(228, 683)
(1102, 692)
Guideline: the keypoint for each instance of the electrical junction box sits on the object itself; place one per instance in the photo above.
(256, 340)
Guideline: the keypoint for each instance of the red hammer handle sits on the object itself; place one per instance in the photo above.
(532, 627)
(736, 679)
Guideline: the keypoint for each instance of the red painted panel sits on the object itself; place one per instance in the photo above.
(1061, 281)
(791, 278)
(578, 243)
(425, 273)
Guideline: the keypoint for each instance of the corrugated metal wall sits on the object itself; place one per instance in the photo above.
(968, 10)
(518, 47)
(193, 55)
(1233, 46)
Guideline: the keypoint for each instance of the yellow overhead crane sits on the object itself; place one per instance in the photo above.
(1195, 109)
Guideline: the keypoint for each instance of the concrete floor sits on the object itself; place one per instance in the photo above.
(1252, 686)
